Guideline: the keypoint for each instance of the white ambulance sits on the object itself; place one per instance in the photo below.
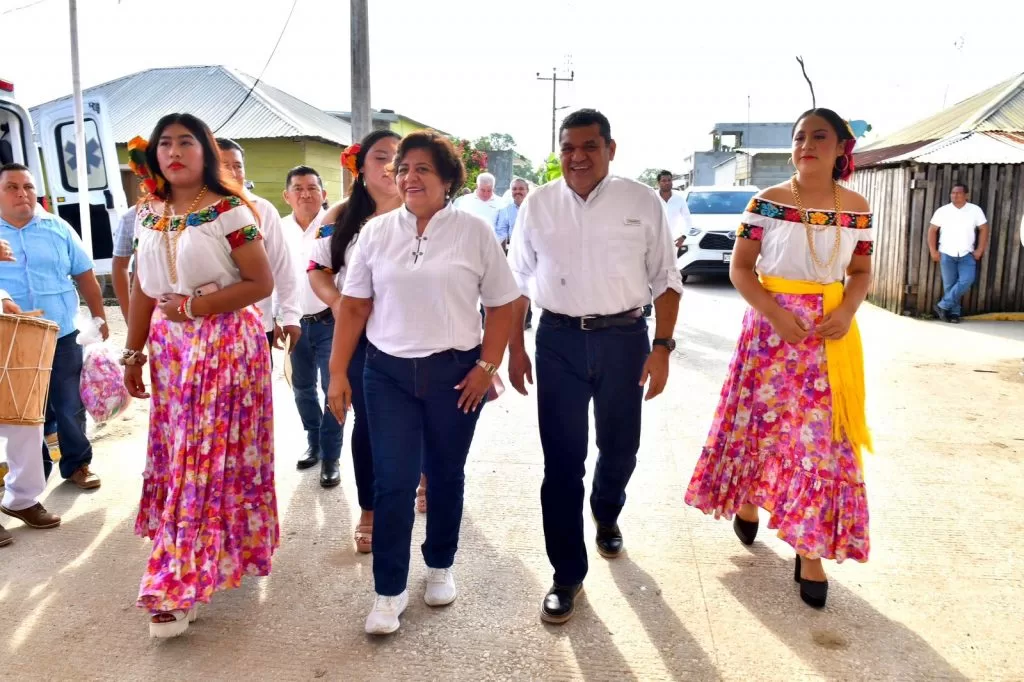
(50, 153)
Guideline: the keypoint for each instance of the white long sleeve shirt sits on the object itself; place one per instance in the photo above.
(602, 256)
(284, 301)
(301, 243)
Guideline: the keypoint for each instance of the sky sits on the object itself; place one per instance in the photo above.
(664, 72)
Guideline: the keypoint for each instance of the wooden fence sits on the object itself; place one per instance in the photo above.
(904, 199)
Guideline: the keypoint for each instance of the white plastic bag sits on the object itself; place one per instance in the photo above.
(102, 386)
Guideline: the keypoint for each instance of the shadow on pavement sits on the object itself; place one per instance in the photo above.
(849, 634)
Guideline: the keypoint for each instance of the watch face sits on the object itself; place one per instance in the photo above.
(670, 344)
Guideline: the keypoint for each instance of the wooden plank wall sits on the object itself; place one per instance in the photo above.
(886, 192)
(906, 281)
(999, 190)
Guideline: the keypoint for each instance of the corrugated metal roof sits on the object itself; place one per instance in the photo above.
(211, 93)
(973, 147)
(997, 109)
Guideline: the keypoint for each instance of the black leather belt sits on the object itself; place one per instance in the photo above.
(589, 323)
(322, 315)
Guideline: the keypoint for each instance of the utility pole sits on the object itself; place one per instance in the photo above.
(554, 99)
(362, 123)
(81, 153)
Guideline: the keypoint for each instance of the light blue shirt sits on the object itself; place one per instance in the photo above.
(505, 221)
(124, 238)
(48, 253)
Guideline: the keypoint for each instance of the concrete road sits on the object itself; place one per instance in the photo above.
(936, 601)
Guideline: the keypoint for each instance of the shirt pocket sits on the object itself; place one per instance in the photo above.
(626, 250)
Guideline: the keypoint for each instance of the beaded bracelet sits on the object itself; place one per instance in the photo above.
(188, 308)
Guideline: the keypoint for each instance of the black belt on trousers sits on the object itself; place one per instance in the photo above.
(322, 315)
(589, 323)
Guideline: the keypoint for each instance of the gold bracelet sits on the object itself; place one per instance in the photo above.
(488, 367)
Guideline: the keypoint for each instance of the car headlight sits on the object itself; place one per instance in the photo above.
(693, 231)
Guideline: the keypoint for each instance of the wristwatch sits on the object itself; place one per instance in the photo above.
(669, 344)
(488, 367)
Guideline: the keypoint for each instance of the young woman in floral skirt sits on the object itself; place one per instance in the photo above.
(790, 426)
(208, 501)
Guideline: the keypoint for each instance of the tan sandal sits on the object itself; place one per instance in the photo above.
(421, 500)
(364, 538)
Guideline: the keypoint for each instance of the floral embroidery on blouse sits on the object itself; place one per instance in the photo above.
(752, 232)
(243, 236)
(324, 231)
(864, 248)
(153, 220)
(768, 209)
(313, 265)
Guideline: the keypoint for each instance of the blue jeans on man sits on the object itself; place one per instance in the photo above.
(958, 273)
(312, 355)
(575, 367)
(416, 425)
(65, 410)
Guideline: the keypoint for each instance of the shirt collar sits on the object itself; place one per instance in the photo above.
(593, 194)
(313, 225)
(35, 219)
(409, 218)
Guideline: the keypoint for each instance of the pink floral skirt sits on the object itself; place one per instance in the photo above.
(208, 500)
(771, 444)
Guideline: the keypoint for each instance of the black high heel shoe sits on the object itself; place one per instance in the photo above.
(813, 592)
(746, 531)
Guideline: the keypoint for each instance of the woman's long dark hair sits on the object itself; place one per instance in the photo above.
(359, 206)
(214, 177)
(843, 168)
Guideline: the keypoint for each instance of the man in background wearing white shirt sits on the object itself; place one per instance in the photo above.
(957, 238)
(483, 202)
(675, 205)
(304, 192)
(283, 303)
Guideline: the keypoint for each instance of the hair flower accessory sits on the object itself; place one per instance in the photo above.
(137, 163)
(348, 159)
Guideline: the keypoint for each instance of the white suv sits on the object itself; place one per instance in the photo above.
(706, 247)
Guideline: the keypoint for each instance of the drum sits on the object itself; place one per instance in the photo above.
(27, 345)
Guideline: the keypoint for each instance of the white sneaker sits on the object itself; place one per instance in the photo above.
(440, 587)
(383, 620)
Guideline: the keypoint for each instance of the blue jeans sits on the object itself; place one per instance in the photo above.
(573, 368)
(415, 421)
(311, 354)
(64, 409)
(362, 451)
(957, 277)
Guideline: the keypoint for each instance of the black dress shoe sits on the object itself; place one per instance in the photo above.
(560, 603)
(309, 458)
(609, 540)
(813, 592)
(746, 531)
(330, 473)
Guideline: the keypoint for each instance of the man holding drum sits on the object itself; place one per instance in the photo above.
(50, 262)
(24, 481)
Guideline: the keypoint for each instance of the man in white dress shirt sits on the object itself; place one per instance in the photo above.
(483, 202)
(957, 238)
(283, 304)
(304, 192)
(590, 248)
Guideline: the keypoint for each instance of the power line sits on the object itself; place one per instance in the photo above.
(25, 6)
(257, 81)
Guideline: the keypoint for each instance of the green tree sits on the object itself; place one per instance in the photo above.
(649, 177)
(549, 170)
(522, 168)
(495, 142)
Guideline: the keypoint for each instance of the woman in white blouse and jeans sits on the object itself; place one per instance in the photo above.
(415, 280)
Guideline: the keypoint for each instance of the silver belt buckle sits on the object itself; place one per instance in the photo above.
(583, 322)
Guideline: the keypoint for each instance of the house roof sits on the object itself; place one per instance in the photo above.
(212, 93)
(988, 115)
(385, 116)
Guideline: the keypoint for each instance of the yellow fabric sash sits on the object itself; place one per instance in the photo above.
(845, 360)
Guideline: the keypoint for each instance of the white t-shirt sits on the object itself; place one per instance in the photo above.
(956, 228)
(488, 210)
(284, 301)
(606, 255)
(300, 243)
(679, 220)
(427, 289)
(203, 247)
(783, 237)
